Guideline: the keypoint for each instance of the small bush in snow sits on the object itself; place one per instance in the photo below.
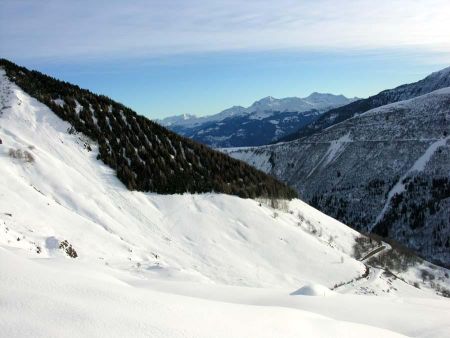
(28, 157)
(275, 203)
(70, 251)
(21, 155)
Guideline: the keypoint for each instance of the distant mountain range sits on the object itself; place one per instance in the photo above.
(265, 121)
(380, 164)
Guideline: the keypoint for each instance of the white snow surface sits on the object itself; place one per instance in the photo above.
(313, 290)
(149, 265)
(78, 107)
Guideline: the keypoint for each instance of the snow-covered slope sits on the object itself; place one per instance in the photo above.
(69, 299)
(139, 255)
(203, 236)
(261, 123)
(386, 170)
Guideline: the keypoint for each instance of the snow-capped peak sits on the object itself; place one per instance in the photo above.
(268, 104)
(177, 119)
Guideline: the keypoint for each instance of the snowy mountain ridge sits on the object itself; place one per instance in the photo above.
(267, 105)
(434, 81)
(263, 122)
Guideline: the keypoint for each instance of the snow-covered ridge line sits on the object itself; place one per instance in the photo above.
(264, 122)
(317, 101)
(432, 82)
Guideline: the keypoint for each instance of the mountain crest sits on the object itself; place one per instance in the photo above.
(261, 123)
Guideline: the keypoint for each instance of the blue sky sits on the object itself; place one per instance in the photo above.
(171, 57)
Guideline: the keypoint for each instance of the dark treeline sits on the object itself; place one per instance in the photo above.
(422, 198)
(146, 156)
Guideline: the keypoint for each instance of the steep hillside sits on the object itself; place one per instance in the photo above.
(84, 256)
(386, 171)
(263, 122)
(145, 156)
(434, 81)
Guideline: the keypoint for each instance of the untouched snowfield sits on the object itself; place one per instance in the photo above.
(173, 266)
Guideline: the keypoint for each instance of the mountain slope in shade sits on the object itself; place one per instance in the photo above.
(385, 171)
(434, 81)
(180, 265)
(263, 122)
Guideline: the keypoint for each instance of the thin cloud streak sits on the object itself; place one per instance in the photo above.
(96, 29)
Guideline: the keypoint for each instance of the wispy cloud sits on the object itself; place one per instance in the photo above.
(114, 28)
